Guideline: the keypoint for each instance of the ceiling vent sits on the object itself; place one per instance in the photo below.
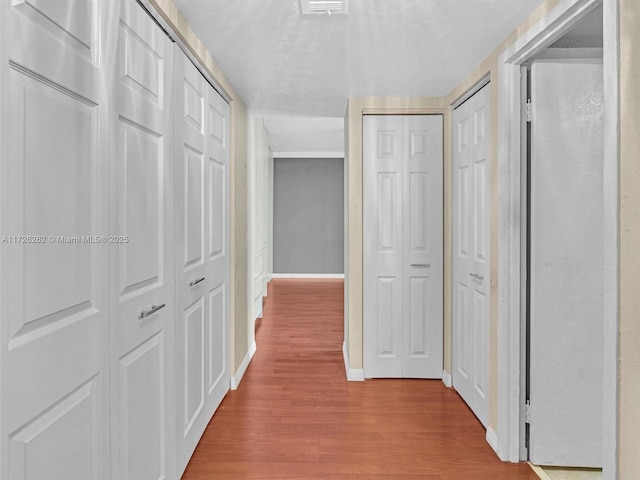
(324, 7)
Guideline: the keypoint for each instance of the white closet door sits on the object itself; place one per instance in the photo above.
(402, 175)
(202, 269)
(218, 130)
(382, 245)
(54, 296)
(192, 285)
(142, 266)
(422, 225)
(471, 236)
(566, 365)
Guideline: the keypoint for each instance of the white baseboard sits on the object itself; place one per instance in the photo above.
(237, 378)
(353, 374)
(446, 379)
(308, 275)
(492, 439)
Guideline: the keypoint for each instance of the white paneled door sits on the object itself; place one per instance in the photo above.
(54, 295)
(202, 260)
(142, 263)
(470, 269)
(402, 174)
(566, 365)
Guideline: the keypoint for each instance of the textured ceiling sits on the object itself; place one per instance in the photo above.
(283, 64)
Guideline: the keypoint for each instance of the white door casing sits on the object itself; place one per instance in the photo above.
(202, 268)
(402, 176)
(142, 268)
(566, 364)
(510, 412)
(54, 295)
(471, 236)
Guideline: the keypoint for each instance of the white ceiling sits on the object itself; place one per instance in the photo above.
(285, 65)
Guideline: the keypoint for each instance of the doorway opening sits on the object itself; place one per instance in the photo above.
(578, 32)
(563, 261)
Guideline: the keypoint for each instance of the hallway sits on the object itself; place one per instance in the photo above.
(295, 416)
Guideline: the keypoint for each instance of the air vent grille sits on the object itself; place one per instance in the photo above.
(324, 7)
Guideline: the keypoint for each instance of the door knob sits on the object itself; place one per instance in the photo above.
(476, 276)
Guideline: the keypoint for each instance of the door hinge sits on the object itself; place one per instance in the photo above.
(527, 412)
(529, 111)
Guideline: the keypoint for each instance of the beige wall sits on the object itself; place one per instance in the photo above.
(629, 230)
(241, 333)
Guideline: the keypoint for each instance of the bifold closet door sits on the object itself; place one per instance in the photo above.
(202, 260)
(54, 286)
(403, 248)
(567, 204)
(471, 236)
(142, 256)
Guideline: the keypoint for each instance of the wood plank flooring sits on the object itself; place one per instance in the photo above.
(295, 416)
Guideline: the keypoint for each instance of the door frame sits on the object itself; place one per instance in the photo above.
(391, 112)
(511, 161)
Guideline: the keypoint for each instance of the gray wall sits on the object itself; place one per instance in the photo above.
(308, 215)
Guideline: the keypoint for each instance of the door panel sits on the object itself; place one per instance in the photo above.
(566, 263)
(383, 259)
(418, 334)
(217, 205)
(53, 199)
(194, 208)
(388, 206)
(194, 362)
(418, 232)
(218, 369)
(461, 337)
(142, 427)
(61, 442)
(218, 153)
(423, 247)
(389, 343)
(202, 266)
(470, 305)
(480, 360)
(141, 209)
(142, 264)
(403, 267)
(480, 211)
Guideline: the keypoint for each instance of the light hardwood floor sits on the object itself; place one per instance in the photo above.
(295, 416)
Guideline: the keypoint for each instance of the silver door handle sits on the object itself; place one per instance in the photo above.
(195, 282)
(476, 276)
(422, 265)
(152, 310)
